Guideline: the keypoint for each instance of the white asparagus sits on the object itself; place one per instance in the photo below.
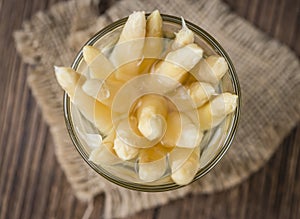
(93, 110)
(154, 25)
(151, 116)
(68, 79)
(181, 131)
(99, 65)
(92, 139)
(123, 150)
(184, 36)
(128, 52)
(218, 65)
(96, 88)
(152, 163)
(177, 63)
(184, 165)
(214, 112)
(153, 43)
(201, 92)
(127, 131)
(105, 154)
(102, 90)
(211, 70)
(103, 84)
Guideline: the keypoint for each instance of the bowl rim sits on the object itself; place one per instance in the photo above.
(168, 186)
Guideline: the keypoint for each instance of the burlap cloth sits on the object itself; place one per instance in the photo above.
(268, 71)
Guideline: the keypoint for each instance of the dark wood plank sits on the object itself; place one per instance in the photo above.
(24, 181)
(14, 138)
(32, 185)
(267, 15)
(278, 18)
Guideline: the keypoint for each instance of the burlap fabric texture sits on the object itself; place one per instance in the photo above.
(268, 71)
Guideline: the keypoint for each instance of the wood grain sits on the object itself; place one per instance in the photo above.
(32, 185)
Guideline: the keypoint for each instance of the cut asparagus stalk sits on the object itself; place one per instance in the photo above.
(181, 131)
(184, 36)
(201, 92)
(68, 79)
(96, 88)
(153, 43)
(152, 163)
(105, 154)
(177, 63)
(103, 91)
(214, 112)
(123, 150)
(184, 165)
(151, 116)
(92, 139)
(134, 28)
(127, 131)
(218, 65)
(93, 110)
(103, 85)
(212, 69)
(154, 26)
(99, 65)
(128, 52)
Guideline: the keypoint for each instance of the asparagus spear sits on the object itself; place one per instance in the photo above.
(214, 112)
(184, 165)
(128, 51)
(178, 62)
(211, 70)
(152, 163)
(105, 154)
(93, 110)
(181, 131)
(151, 116)
(153, 43)
(200, 92)
(184, 36)
(99, 65)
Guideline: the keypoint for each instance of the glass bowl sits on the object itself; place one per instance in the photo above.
(215, 142)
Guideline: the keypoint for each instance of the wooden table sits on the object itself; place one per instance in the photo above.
(32, 185)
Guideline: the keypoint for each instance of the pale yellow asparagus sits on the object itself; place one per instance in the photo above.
(181, 131)
(128, 132)
(184, 37)
(211, 69)
(128, 52)
(103, 90)
(153, 43)
(184, 165)
(123, 150)
(99, 65)
(134, 28)
(178, 62)
(154, 26)
(200, 92)
(105, 154)
(152, 163)
(151, 116)
(218, 65)
(93, 110)
(214, 112)
(102, 85)
(68, 79)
